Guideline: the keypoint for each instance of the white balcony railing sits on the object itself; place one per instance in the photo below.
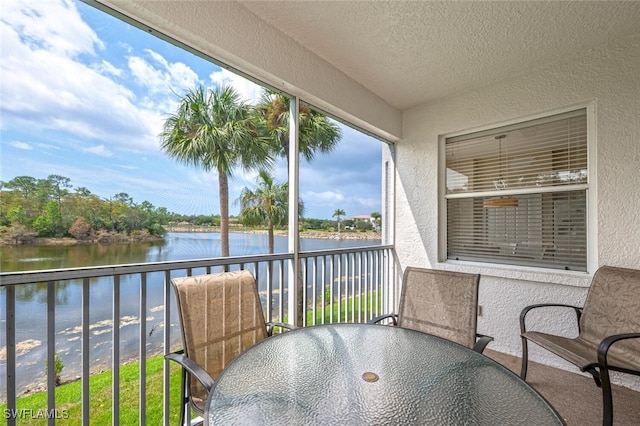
(347, 285)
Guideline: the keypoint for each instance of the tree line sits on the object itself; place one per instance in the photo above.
(52, 207)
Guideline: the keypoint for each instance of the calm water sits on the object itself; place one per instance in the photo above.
(31, 300)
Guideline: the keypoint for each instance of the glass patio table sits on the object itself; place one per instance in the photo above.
(351, 374)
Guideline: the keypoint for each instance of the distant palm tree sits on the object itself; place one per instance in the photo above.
(316, 132)
(377, 219)
(267, 204)
(213, 129)
(338, 215)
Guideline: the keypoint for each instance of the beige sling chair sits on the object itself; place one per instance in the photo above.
(441, 303)
(220, 317)
(608, 331)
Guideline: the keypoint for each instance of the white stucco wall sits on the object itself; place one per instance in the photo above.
(607, 78)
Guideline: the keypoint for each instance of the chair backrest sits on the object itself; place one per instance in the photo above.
(613, 307)
(221, 316)
(441, 303)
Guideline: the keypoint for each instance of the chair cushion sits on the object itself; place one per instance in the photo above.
(442, 303)
(578, 351)
(221, 317)
(613, 307)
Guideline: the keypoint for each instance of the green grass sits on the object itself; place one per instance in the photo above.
(68, 398)
(350, 306)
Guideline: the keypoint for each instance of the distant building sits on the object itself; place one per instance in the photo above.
(364, 217)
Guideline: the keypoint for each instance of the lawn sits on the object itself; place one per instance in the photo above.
(32, 409)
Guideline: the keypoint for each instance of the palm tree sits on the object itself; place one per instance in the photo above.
(377, 219)
(267, 204)
(214, 130)
(338, 214)
(316, 134)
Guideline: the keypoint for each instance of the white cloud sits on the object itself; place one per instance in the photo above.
(248, 90)
(107, 68)
(200, 177)
(326, 197)
(47, 146)
(51, 89)
(21, 145)
(41, 26)
(99, 150)
(161, 76)
(368, 203)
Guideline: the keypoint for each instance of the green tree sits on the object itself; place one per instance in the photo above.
(17, 215)
(377, 219)
(58, 187)
(338, 215)
(46, 223)
(22, 190)
(266, 205)
(213, 129)
(316, 133)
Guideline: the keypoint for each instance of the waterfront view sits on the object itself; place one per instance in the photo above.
(69, 171)
(31, 312)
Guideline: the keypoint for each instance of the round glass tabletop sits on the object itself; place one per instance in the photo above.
(370, 374)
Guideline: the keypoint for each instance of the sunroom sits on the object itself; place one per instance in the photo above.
(513, 128)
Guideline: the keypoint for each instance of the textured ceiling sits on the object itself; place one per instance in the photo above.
(413, 52)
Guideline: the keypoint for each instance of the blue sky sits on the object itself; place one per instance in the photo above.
(84, 95)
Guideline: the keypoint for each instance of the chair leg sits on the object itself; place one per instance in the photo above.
(184, 403)
(525, 359)
(607, 399)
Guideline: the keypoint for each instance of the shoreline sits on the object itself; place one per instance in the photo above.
(325, 235)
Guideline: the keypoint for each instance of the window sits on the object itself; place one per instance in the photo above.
(518, 194)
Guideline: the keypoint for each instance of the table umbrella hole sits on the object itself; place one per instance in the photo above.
(370, 377)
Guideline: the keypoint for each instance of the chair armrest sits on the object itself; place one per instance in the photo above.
(192, 367)
(377, 319)
(481, 343)
(607, 342)
(272, 325)
(527, 309)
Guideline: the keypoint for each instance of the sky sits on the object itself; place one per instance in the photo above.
(84, 95)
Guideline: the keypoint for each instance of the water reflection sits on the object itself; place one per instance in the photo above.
(31, 306)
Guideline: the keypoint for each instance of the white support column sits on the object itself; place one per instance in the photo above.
(293, 240)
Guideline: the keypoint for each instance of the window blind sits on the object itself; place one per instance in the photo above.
(518, 194)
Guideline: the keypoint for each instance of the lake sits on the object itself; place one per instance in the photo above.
(31, 299)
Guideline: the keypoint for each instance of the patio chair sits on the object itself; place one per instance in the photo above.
(442, 303)
(608, 331)
(220, 317)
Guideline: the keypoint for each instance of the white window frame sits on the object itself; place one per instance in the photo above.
(591, 201)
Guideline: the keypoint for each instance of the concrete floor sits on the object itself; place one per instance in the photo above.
(575, 396)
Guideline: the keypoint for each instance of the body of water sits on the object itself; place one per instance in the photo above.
(31, 310)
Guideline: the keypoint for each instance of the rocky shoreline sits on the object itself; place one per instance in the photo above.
(346, 235)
